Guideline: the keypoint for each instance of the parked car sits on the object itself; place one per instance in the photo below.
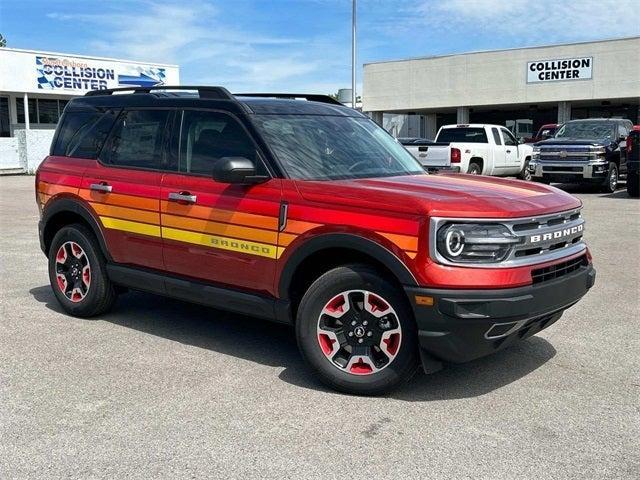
(584, 151)
(306, 213)
(546, 131)
(477, 149)
(633, 162)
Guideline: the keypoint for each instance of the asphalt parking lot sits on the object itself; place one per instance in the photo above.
(161, 388)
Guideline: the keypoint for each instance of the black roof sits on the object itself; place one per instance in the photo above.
(215, 98)
(615, 120)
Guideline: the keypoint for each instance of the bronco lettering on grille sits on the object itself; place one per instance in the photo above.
(556, 235)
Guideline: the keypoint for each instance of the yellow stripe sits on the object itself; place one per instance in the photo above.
(128, 226)
(224, 243)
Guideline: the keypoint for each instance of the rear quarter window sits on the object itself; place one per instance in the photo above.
(463, 135)
(83, 133)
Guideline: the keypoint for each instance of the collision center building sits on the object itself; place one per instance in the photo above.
(35, 87)
(521, 88)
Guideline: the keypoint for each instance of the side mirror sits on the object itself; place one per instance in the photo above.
(239, 170)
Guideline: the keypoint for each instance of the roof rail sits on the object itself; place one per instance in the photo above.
(311, 97)
(218, 93)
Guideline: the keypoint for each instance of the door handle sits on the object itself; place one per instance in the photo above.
(102, 187)
(508, 151)
(184, 197)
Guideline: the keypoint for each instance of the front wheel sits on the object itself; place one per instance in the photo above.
(611, 182)
(525, 174)
(357, 332)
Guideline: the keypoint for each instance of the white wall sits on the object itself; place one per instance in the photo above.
(500, 77)
(9, 154)
(25, 151)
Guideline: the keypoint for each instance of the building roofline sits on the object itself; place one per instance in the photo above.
(88, 57)
(475, 52)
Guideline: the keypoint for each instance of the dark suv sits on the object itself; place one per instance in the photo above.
(302, 211)
(584, 151)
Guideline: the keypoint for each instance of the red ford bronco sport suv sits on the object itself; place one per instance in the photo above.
(296, 209)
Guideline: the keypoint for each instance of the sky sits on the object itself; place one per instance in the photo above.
(300, 45)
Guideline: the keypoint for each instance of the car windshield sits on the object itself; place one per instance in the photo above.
(313, 147)
(587, 130)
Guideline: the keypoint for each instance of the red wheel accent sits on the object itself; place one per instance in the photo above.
(392, 343)
(336, 305)
(361, 368)
(326, 343)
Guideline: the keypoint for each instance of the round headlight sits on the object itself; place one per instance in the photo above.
(454, 242)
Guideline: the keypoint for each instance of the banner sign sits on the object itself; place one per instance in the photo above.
(579, 68)
(81, 75)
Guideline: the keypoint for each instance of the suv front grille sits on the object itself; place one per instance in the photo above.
(542, 238)
(558, 270)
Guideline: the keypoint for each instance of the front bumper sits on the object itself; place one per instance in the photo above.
(570, 172)
(466, 324)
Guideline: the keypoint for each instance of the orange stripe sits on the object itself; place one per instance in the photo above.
(218, 215)
(405, 242)
(214, 228)
(298, 226)
(50, 189)
(129, 201)
(285, 239)
(126, 213)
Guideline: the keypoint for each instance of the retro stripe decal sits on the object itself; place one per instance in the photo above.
(241, 232)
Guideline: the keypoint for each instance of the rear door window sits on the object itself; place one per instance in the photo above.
(496, 136)
(82, 133)
(137, 139)
(463, 135)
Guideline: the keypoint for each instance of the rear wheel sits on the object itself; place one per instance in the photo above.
(357, 332)
(77, 272)
(474, 169)
(611, 182)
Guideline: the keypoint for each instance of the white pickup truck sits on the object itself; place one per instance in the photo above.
(477, 149)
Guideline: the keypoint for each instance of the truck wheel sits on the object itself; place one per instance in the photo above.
(357, 332)
(632, 184)
(77, 273)
(474, 169)
(525, 174)
(611, 182)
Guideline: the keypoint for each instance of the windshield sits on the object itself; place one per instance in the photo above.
(313, 147)
(587, 130)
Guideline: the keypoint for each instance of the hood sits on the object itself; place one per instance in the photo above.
(573, 141)
(452, 195)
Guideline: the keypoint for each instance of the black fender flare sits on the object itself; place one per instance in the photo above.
(348, 241)
(71, 205)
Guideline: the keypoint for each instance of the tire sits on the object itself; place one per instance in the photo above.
(474, 169)
(610, 183)
(77, 272)
(331, 320)
(633, 181)
(525, 174)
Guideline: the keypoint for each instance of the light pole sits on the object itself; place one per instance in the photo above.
(353, 54)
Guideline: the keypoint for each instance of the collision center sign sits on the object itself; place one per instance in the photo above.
(578, 68)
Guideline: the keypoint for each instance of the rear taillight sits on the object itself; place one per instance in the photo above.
(456, 156)
(629, 144)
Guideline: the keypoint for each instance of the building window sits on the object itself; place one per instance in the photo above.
(4, 117)
(41, 110)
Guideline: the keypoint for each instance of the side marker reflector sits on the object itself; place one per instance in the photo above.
(424, 300)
